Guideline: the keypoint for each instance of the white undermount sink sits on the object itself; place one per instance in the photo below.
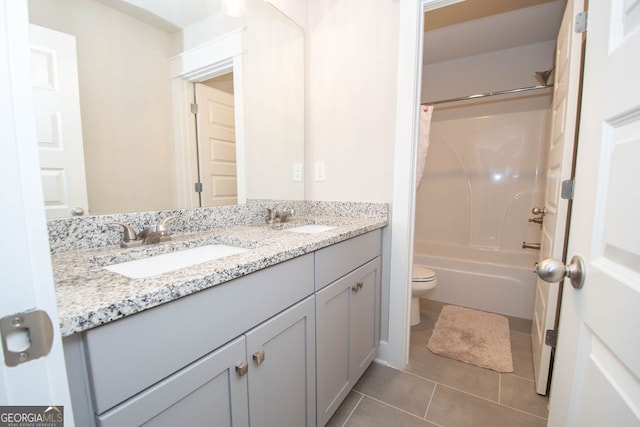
(158, 264)
(311, 228)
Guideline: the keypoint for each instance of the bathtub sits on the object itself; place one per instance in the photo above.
(492, 280)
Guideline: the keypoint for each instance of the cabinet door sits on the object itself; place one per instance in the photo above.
(207, 392)
(348, 334)
(282, 388)
(332, 335)
(364, 330)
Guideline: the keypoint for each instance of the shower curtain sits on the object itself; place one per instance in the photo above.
(424, 126)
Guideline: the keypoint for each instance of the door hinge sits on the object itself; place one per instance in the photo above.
(567, 189)
(198, 186)
(551, 337)
(581, 22)
(194, 108)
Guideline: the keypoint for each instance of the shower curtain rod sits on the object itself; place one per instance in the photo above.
(483, 95)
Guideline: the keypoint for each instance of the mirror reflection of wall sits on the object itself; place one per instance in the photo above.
(125, 100)
(128, 125)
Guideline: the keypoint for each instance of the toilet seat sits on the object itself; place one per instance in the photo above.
(422, 274)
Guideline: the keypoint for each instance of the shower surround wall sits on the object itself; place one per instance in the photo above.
(482, 178)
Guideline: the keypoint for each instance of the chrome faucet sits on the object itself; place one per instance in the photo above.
(285, 213)
(148, 236)
(526, 245)
(280, 215)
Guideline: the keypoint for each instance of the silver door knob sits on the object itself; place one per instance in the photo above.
(78, 211)
(552, 270)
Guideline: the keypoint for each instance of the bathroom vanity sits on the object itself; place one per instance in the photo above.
(242, 351)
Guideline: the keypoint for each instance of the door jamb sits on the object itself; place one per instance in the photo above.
(208, 60)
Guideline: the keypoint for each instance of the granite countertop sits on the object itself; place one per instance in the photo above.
(89, 295)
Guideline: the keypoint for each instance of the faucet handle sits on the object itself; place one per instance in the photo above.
(272, 215)
(163, 226)
(130, 236)
(161, 230)
(289, 209)
(538, 211)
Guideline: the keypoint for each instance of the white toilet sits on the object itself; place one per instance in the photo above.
(423, 280)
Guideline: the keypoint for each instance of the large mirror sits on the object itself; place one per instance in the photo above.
(139, 146)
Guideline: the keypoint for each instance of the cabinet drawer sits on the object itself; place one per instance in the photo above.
(208, 392)
(129, 355)
(335, 261)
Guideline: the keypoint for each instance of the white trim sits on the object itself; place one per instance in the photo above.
(185, 146)
(402, 223)
(211, 59)
(27, 277)
(238, 93)
(410, 51)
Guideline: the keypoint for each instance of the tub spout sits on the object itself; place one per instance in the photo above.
(535, 246)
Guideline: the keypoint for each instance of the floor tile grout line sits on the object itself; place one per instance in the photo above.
(395, 407)
(354, 408)
(473, 395)
(498, 402)
(523, 411)
(433, 393)
(507, 373)
(520, 376)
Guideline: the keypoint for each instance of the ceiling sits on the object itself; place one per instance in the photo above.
(474, 27)
(468, 28)
(168, 15)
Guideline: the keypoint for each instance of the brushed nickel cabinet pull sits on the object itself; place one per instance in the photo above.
(242, 368)
(258, 357)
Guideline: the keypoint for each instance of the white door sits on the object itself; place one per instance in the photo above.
(596, 375)
(559, 162)
(59, 130)
(26, 279)
(216, 146)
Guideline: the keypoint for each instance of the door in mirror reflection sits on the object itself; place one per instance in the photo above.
(59, 131)
(215, 122)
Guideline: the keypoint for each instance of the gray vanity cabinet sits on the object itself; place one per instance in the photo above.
(208, 392)
(264, 378)
(347, 334)
(159, 364)
(279, 347)
(282, 369)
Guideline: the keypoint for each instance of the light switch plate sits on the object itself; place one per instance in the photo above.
(320, 171)
(297, 172)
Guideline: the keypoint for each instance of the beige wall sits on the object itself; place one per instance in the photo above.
(273, 104)
(351, 91)
(125, 102)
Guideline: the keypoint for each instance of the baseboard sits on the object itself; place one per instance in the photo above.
(383, 352)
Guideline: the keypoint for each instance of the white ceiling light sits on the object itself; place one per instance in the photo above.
(233, 7)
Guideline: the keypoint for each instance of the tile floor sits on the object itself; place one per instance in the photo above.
(437, 391)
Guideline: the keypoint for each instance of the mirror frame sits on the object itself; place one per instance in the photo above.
(212, 59)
